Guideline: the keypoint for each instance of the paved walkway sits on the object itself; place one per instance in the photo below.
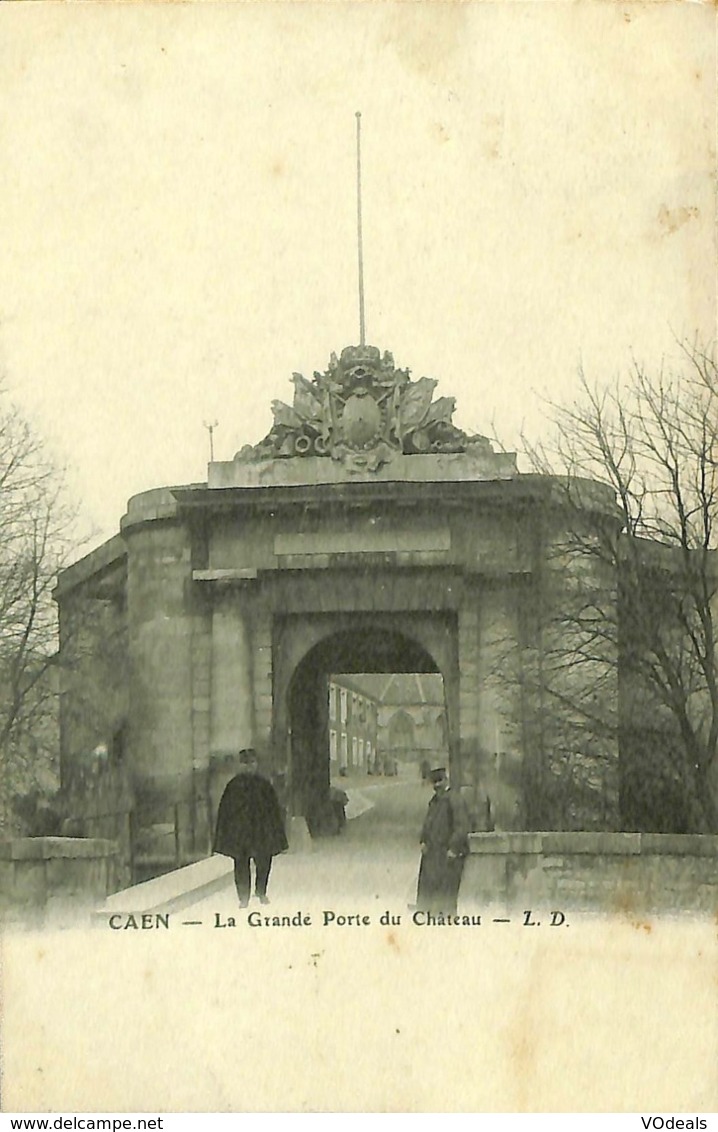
(373, 863)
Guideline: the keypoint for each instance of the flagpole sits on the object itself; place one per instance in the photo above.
(359, 234)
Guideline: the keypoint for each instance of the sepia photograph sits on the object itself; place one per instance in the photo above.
(358, 557)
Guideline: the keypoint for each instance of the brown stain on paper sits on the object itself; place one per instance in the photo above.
(671, 219)
(427, 38)
(440, 132)
(523, 1043)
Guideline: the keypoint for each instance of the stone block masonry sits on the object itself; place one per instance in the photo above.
(633, 874)
(43, 879)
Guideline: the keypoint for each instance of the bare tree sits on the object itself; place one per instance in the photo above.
(641, 613)
(36, 539)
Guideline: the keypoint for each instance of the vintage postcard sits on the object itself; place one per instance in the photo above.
(358, 557)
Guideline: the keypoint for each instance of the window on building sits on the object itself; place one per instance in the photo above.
(118, 743)
(344, 751)
(354, 750)
(442, 737)
(332, 702)
(343, 704)
(333, 746)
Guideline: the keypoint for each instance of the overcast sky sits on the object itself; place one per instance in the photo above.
(177, 211)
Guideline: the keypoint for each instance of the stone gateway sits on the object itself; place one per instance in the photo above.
(365, 534)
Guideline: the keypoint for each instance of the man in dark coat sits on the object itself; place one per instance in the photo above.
(444, 847)
(250, 827)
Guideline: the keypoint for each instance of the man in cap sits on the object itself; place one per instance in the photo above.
(250, 827)
(444, 846)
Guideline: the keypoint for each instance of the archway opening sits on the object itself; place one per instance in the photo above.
(367, 719)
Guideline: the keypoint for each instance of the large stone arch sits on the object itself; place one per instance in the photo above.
(307, 650)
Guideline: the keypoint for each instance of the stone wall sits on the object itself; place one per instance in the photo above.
(94, 688)
(43, 879)
(218, 596)
(567, 624)
(611, 873)
(159, 604)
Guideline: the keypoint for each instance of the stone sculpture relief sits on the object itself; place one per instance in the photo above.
(362, 411)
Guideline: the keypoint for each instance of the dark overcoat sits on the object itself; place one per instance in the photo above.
(445, 829)
(446, 825)
(249, 819)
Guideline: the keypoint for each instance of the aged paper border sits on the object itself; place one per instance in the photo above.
(610, 1015)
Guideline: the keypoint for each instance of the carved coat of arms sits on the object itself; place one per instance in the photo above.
(362, 411)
